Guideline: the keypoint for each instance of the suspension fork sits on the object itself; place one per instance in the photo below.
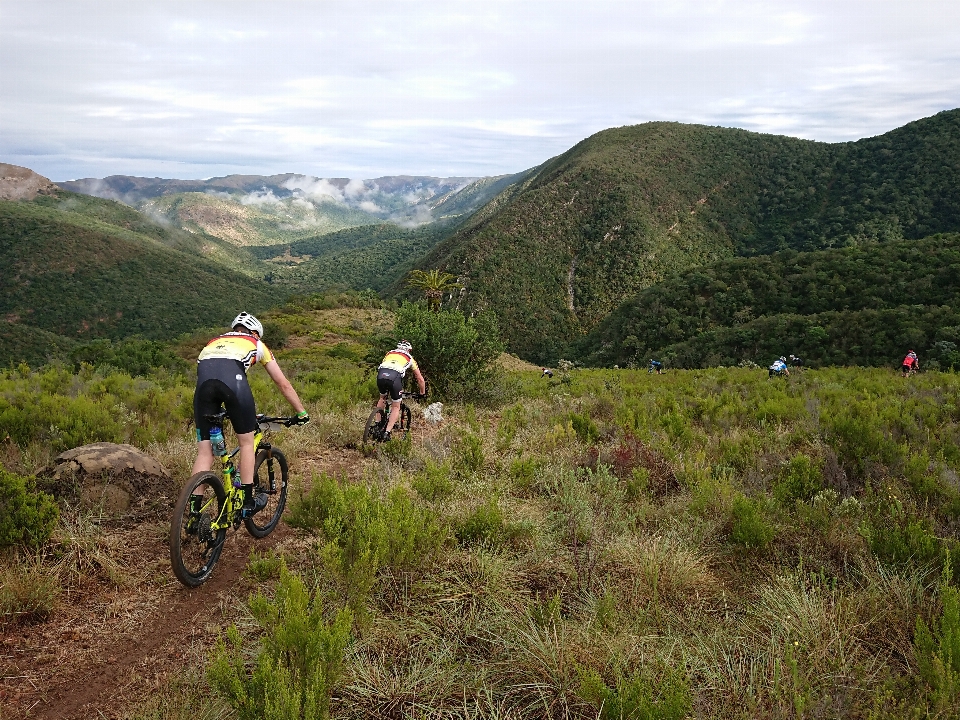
(271, 477)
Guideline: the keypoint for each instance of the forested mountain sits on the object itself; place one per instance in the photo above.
(863, 305)
(628, 207)
(372, 256)
(80, 268)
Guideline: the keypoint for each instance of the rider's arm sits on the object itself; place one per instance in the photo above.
(276, 374)
(420, 381)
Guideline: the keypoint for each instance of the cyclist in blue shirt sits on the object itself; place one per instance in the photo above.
(779, 367)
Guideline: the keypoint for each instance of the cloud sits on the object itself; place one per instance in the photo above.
(260, 197)
(315, 188)
(179, 89)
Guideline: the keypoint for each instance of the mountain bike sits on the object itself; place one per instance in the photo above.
(208, 506)
(376, 424)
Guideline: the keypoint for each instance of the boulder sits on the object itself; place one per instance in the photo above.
(113, 479)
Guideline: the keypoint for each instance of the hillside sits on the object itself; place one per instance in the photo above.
(82, 268)
(865, 301)
(372, 256)
(627, 207)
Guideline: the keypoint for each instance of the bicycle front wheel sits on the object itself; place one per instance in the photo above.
(195, 546)
(373, 430)
(269, 481)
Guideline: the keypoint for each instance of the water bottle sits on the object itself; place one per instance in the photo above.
(217, 443)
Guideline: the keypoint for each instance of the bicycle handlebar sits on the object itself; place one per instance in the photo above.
(285, 421)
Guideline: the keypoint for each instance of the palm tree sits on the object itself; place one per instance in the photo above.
(434, 284)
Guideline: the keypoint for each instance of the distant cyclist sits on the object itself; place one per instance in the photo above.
(779, 368)
(655, 366)
(390, 380)
(910, 364)
(222, 382)
(796, 361)
(547, 372)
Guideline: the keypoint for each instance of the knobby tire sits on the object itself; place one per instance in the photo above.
(373, 430)
(194, 546)
(263, 523)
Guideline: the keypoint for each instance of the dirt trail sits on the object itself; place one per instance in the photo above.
(106, 649)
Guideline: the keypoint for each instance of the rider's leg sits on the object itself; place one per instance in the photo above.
(203, 463)
(247, 457)
(247, 460)
(381, 403)
(204, 459)
(394, 415)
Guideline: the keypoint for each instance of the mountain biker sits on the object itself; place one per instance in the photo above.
(547, 372)
(390, 380)
(655, 366)
(796, 361)
(222, 381)
(779, 367)
(910, 364)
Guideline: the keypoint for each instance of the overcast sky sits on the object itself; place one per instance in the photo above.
(359, 89)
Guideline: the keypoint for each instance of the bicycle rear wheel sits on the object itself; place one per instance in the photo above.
(195, 546)
(373, 430)
(405, 419)
(273, 484)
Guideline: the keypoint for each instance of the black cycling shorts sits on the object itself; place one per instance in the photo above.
(223, 384)
(390, 383)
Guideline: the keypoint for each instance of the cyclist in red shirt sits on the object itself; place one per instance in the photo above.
(910, 364)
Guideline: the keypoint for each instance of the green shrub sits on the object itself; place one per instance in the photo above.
(264, 566)
(299, 663)
(483, 525)
(585, 428)
(800, 479)
(135, 356)
(27, 515)
(524, 472)
(903, 540)
(434, 482)
(456, 354)
(363, 532)
(750, 525)
(938, 651)
(470, 454)
(638, 697)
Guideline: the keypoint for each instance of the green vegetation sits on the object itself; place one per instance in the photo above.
(455, 353)
(371, 256)
(700, 543)
(628, 207)
(27, 516)
(299, 664)
(864, 305)
(81, 278)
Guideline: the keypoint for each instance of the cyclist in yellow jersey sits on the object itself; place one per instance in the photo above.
(390, 380)
(222, 381)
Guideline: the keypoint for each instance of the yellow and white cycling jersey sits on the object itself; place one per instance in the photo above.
(245, 349)
(399, 361)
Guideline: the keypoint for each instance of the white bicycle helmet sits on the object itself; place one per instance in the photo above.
(249, 322)
(405, 346)
(782, 359)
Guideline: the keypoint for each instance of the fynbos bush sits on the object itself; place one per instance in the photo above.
(299, 662)
(27, 516)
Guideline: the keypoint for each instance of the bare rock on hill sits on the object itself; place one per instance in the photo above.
(117, 480)
(20, 183)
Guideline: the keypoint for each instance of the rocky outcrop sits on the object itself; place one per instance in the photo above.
(20, 183)
(112, 479)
